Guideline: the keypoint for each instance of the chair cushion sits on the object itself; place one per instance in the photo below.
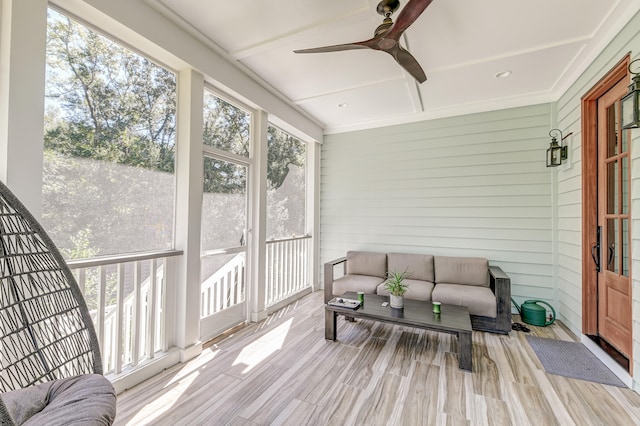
(356, 283)
(462, 270)
(420, 266)
(480, 300)
(418, 290)
(81, 400)
(367, 263)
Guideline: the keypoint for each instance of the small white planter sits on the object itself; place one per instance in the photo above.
(396, 301)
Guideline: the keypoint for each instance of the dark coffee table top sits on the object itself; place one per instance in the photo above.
(416, 313)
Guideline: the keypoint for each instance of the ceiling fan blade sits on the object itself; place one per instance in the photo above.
(407, 16)
(387, 39)
(334, 48)
(409, 63)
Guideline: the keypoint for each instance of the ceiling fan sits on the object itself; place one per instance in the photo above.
(387, 36)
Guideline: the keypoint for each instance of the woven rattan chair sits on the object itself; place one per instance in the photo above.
(50, 365)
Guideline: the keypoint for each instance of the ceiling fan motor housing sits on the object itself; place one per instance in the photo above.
(388, 7)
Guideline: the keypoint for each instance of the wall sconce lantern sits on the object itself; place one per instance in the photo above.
(556, 153)
(631, 102)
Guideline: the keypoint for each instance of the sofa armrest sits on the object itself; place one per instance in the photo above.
(500, 284)
(328, 276)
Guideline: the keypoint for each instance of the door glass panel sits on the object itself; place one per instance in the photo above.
(612, 140)
(226, 126)
(224, 218)
(612, 187)
(625, 247)
(624, 136)
(610, 252)
(625, 185)
(224, 206)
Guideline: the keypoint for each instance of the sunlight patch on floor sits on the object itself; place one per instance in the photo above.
(194, 365)
(151, 412)
(264, 347)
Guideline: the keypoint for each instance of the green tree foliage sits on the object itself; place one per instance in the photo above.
(106, 102)
(284, 150)
(228, 128)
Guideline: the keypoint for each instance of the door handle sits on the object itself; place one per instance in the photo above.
(610, 253)
(595, 250)
(595, 254)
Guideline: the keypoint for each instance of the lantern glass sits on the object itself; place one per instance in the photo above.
(554, 154)
(630, 110)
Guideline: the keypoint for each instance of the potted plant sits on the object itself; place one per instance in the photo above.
(396, 287)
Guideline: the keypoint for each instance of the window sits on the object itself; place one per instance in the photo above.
(286, 192)
(108, 181)
(226, 126)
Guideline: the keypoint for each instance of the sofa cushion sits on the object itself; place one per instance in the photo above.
(420, 266)
(418, 290)
(81, 400)
(356, 283)
(480, 300)
(367, 263)
(462, 270)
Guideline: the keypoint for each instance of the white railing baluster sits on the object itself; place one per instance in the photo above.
(168, 287)
(295, 258)
(151, 311)
(82, 278)
(136, 305)
(289, 259)
(101, 307)
(120, 320)
(271, 290)
(281, 272)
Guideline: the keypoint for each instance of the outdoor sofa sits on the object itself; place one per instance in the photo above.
(467, 281)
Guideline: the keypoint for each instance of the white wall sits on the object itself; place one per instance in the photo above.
(569, 191)
(474, 185)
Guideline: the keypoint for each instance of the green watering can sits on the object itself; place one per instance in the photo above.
(532, 313)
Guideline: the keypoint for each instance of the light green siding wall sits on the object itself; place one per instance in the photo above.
(477, 185)
(473, 185)
(569, 276)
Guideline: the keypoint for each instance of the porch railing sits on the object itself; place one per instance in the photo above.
(126, 296)
(287, 267)
(225, 288)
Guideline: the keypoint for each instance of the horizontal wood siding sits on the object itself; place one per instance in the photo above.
(569, 190)
(473, 185)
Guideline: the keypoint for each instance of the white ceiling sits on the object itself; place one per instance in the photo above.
(461, 45)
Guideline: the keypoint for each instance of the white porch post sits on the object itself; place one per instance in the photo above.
(189, 175)
(23, 35)
(313, 211)
(259, 218)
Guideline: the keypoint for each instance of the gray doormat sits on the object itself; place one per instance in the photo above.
(572, 359)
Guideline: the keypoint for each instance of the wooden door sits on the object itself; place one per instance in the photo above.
(613, 254)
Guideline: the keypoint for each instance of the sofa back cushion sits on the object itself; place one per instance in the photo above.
(366, 263)
(462, 270)
(420, 266)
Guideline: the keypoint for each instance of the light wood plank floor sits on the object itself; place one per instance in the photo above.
(283, 372)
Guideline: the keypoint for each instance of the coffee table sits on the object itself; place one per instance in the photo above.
(452, 319)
